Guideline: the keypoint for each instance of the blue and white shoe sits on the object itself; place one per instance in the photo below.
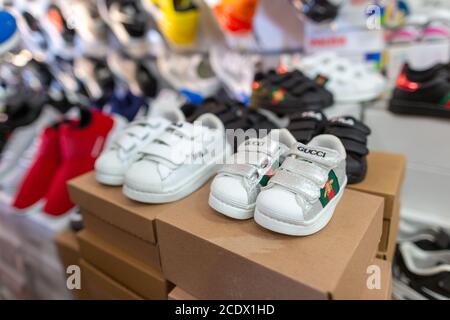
(9, 36)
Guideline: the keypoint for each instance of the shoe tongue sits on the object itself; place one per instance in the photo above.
(320, 155)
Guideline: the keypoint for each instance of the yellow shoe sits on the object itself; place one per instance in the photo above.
(179, 21)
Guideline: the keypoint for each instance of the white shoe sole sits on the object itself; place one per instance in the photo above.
(283, 227)
(109, 179)
(195, 183)
(229, 210)
(401, 291)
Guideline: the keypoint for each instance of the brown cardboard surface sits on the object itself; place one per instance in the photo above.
(179, 294)
(68, 248)
(133, 274)
(213, 257)
(99, 286)
(385, 174)
(139, 249)
(109, 204)
(384, 292)
(388, 241)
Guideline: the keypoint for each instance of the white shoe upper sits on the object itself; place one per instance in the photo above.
(349, 81)
(178, 156)
(186, 73)
(239, 182)
(125, 149)
(307, 181)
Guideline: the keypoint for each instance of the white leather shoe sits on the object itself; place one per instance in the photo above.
(178, 162)
(235, 188)
(112, 164)
(301, 197)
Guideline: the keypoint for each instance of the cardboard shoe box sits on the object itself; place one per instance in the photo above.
(213, 257)
(119, 220)
(388, 242)
(69, 254)
(133, 274)
(380, 288)
(385, 175)
(99, 286)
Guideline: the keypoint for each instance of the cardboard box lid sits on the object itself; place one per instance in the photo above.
(385, 175)
(131, 273)
(109, 204)
(223, 258)
(98, 286)
(384, 292)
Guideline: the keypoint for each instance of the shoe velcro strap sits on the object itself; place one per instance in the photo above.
(324, 156)
(265, 146)
(303, 125)
(350, 123)
(242, 170)
(137, 131)
(176, 156)
(347, 133)
(355, 147)
(306, 169)
(126, 143)
(297, 184)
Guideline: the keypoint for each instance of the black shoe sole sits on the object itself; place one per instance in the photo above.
(418, 108)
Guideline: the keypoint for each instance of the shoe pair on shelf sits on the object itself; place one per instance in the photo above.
(164, 159)
(421, 267)
(352, 133)
(66, 151)
(289, 92)
(288, 187)
(349, 81)
(422, 92)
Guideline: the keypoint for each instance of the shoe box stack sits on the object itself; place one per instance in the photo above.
(119, 248)
(69, 255)
(130, 250)
(385, 175)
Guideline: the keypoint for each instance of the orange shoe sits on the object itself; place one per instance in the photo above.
(236, 16)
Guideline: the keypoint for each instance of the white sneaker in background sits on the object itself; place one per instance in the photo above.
(301, 197)
(189, 73)
(236, 70)
(111, 166)
(178, 162)
(348, 81)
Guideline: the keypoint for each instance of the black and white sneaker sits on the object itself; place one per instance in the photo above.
(129, 23)
(420, 274)
(422, 92)
(429, 239)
